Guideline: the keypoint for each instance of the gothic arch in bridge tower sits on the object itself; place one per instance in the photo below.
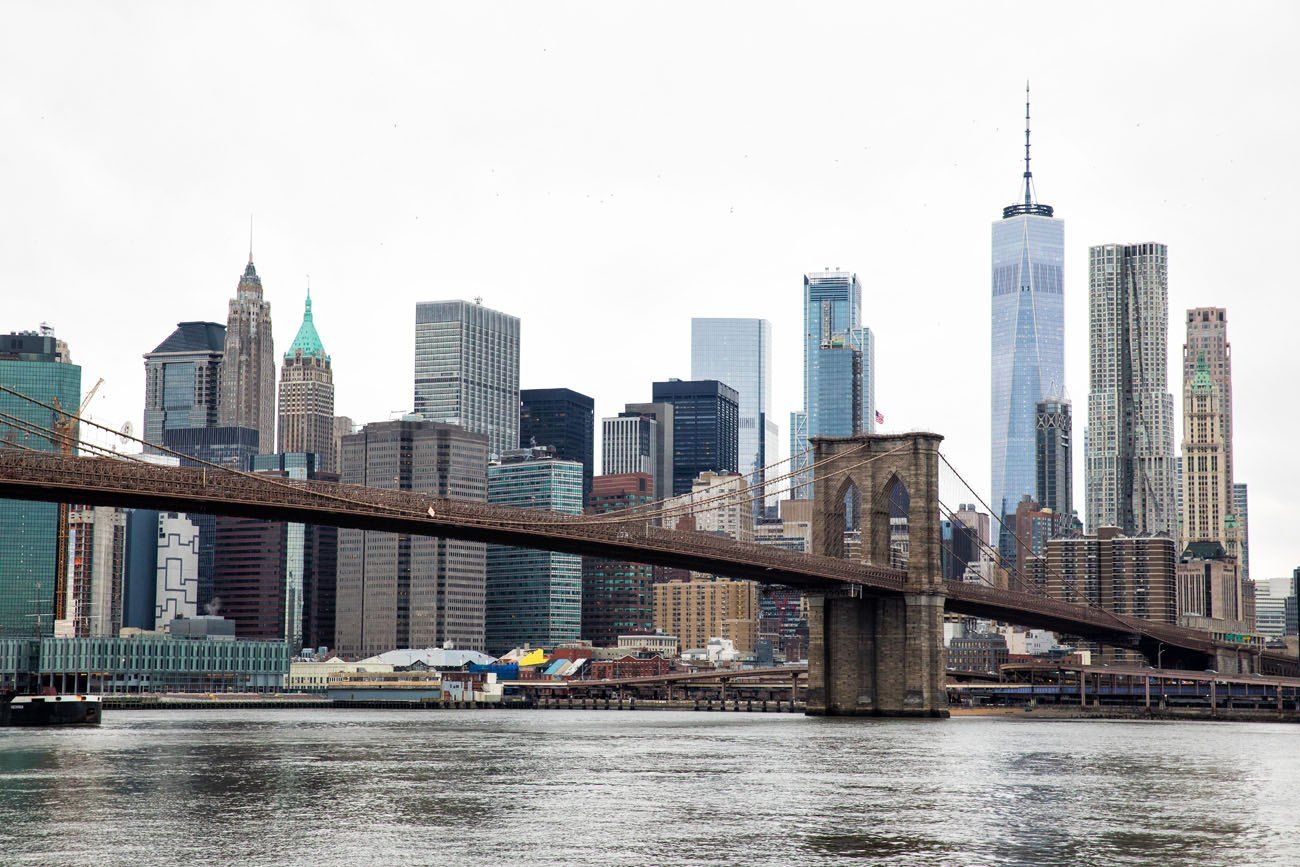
(882, 654)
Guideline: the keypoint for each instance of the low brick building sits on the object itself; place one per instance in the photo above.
(628, 666)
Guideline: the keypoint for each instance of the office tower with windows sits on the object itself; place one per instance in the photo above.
(662, 416)
(96, 571)
(1053, 456)
(232, 447)
(628, 444)
(307, 397)
(533, 597)
(564, 419)
(1129, 445)
(1241, 508)
(801, 479)
(706, 417)
(396, 590)
(39, 366)
(276, 580)
(467, 369)
(182, 380)
(1028, 337)
(616, 595)
(248, 367)
(1208, 496)
(739, 353)
(839, 369)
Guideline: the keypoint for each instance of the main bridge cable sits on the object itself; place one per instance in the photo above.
(752, 473)
(254, 477)
(55, 438)
(1096, 606)
(273, 481)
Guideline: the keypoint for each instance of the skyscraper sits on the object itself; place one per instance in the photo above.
(96, 569)
(277, 580)
(467, 369)
(231, 447)
(629, 444)
(662, 415)
(1241, 508)
(533, 597)
(1028, 336)
(1208, 495)
(739, 353)
(1053, 456)
(839, 366)
(307, 396)
(1207, 487)
(396, 590)
(182, 380)
(39, 366)
(564, 419)
(1129, 444)
(248, 369)
(705, 428)
(616, 595)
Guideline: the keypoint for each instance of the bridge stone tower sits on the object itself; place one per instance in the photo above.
(878, 655)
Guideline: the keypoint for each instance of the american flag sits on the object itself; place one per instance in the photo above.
(880, 417)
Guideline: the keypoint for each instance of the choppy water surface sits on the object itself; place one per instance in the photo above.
(570, 787)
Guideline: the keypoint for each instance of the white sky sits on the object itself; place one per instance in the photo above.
(606, 171)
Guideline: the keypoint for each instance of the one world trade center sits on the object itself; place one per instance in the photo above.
(1028, 359)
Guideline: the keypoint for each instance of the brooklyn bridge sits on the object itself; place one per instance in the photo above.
(875, 632)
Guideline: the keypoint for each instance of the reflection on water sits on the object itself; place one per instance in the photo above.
(572, 787)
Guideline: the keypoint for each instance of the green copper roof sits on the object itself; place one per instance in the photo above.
(307, 341)
(1201, 382)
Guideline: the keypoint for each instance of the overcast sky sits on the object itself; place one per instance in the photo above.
(607, 171)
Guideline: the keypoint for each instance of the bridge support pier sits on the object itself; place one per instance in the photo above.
(876, 657)
(881, 655)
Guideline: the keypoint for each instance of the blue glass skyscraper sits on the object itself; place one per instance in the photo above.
(839, 369)
(739, 353)
(1028, 347)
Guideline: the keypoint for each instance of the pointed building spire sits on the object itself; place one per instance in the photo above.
(1029, 206)
(1029, 176)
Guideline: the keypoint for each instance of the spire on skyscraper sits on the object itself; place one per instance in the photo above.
(1028, 206)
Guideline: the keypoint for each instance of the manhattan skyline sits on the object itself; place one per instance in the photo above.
(126, 205)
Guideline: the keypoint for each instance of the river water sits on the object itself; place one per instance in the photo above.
(335, 787)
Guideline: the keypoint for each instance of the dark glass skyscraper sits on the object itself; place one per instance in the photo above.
(1028, 347)
(706, 425)
(230, 447)
(182, 380)
(1052, 462)
(563, 419)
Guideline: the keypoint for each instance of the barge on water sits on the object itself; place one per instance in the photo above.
(50, 710)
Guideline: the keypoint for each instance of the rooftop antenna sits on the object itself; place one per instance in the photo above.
(1028, 174)
(250, 231)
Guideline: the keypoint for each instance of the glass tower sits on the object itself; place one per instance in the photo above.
(533, 597)
(1028, 346)
(467, 369)
(839, 369)
(182, 380)
(564, 419)
(739, 353)
(38, 366)
(705, 429)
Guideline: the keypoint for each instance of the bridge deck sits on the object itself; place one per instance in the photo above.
(104, 481)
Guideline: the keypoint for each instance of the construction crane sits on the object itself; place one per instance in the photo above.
(65, 430)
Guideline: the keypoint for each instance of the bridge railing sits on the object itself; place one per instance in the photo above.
(216, 484)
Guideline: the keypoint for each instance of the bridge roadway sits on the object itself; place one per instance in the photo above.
(49, 477)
